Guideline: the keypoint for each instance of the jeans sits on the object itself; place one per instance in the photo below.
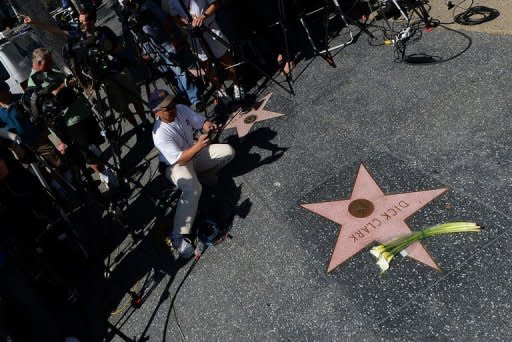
(181, 79)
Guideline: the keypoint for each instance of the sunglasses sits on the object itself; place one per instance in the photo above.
(42, 60)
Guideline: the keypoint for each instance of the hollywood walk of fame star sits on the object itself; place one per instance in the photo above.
(369, 215)
(244, 120)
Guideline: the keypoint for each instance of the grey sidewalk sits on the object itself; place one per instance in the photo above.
(415, 128)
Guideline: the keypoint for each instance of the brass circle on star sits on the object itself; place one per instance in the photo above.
(250, 119)
(361, 208)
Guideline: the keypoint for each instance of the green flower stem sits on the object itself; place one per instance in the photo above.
(386, 252)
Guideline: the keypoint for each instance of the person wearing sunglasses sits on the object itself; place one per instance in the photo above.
(190, 163)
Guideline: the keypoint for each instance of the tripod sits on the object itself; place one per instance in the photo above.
(282, 22)
(326, 50)
(200, 32)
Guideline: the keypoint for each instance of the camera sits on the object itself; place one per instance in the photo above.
(134, 17)
(42, 107)
(89, 56)
(212, 135)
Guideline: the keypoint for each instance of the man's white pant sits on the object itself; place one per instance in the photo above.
(206, 163)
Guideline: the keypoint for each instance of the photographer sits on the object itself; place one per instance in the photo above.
(15, 119)
(158, 27)
(173, 137)
(80, 127)
(97, 55)
(199, 17)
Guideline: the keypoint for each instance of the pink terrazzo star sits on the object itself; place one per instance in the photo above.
(369, 215)
(244, 120)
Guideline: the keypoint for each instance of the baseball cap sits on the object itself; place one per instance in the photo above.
(159, 98)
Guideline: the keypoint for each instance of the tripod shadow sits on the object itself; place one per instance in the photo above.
(149, 263)
(135, 280)
(137, 153)
(140, 264)
(246, 160)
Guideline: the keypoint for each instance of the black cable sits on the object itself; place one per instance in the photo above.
(428, 59)
(171, 305)
(455, 7)
(476, 15)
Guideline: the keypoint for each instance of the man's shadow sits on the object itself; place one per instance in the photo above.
(142, 268)
(220, 204)
(246, 160)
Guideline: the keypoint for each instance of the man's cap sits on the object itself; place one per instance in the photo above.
(4, 86)
(159, 98)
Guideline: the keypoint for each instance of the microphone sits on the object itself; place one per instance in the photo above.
(5, 134)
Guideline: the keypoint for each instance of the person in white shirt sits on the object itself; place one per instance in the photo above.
(196, 14)
(173, 136)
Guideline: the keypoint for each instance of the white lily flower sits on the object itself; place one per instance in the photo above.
(383, 264)
(387, 251)
(384, 261)
(377, 250)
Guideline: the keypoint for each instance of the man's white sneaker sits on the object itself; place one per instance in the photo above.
(182, 250)
(222, 96)
(238, 93)
(109, 178)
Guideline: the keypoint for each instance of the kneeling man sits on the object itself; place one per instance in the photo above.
(173, 135)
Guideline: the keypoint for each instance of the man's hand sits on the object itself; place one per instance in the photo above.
(72, 82)
(183, 21)
(62, 148)
(189, 154)
(198, 21)
(58, 89)
(209, 126)
(202, 141)
(28, 20)
(50, 28)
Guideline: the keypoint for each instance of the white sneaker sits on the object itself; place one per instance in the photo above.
(238, 93)
(186, 249)
(182, 248)
(222, 96)
(109, 178)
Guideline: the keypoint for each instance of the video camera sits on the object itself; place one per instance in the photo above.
(89, 56)
(133, 16)
(42, 107)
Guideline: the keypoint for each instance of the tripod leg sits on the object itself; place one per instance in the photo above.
(222, 41)
(284, 30)
(327, 56)
(308, 34)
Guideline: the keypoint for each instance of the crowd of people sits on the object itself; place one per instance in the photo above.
(100, 60)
